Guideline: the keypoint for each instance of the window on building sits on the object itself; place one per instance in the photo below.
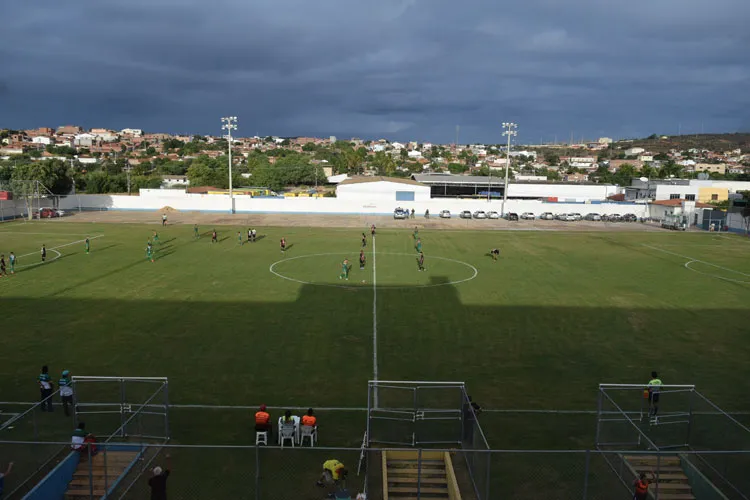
(714, 197)
(690, 197)
(674, 196)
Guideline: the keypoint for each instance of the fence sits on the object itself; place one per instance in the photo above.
(273, 473)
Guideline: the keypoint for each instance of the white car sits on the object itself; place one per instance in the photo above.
(547, 216)
(479, 214)
(528, 216)
(593, 216)
(445, 214)
(570, 217)
(576, 216)
(493, 215)
(400, 213)
(465, 214)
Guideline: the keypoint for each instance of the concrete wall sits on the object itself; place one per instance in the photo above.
(154, 200)
(664, 191)
(380, 191)
(563, 192)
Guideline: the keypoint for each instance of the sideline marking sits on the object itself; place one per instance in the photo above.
(687, 266)
(272, 270)
(691, 260)
(374, 322)
(53, 249)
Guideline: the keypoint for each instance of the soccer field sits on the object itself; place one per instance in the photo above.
(231, 324)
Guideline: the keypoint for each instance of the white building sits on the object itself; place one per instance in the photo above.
(605, 140)
(646, 158)
(84, 140)
(135, 132)
(43, 140)
(634, 151)
(414, 154)
(170, 181)
(562, 192)
(86, 160)
(364, 189)
(676, 192)
(378, 148)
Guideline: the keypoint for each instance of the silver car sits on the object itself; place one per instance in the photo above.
(528, 216)
(493, 215)
(547, 216)
(593, 216)
(480, 214)
(465, 214)
(445, 214)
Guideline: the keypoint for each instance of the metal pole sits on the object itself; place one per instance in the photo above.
(257, 472)
(122, 407)
(509, 131)
(586, 476)
(166, 409)
(598, 416)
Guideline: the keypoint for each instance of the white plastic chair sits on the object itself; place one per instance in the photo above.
(308, 431)
(261, 437)
(287, 432)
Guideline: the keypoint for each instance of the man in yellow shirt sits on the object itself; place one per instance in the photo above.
(333, 473)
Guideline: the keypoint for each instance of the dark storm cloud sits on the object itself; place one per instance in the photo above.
(396, 68)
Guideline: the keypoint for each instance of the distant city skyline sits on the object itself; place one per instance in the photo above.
(396, 69)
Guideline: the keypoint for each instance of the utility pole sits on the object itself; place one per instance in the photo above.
(510, 130)
(229, 123)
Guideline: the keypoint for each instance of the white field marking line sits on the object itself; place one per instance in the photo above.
(374, 321)
(63, 246)
(20, 233)
(691, 259)
(272, 270)
(687, 266)
(23, 266)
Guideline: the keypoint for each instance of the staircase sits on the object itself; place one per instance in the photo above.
(673, 483)
(88, 475)
(404, 476)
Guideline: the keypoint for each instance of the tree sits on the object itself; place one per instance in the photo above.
(172, 144)
(384, 163)
(457, 168)
(309, 147)
(150, 151)
(552, 159)
(624, 174)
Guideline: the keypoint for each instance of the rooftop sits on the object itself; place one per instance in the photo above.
(362, 180)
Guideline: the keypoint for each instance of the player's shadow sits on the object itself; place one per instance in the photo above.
(289, 246)
(259, 237)
(170, 240)
(223, 238)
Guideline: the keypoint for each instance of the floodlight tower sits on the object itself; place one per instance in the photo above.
(510, 131)
(229, 123)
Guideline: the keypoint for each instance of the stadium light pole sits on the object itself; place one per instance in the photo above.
(510, 131)
(229, 123)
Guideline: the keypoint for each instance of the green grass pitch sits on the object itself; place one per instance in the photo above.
(229, 324)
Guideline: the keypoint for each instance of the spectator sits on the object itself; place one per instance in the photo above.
(83, 440)
(309, 419)
(288, 419)
(263, 421)
(3, 475)
(66, 391)
(45, 386)
(641, 487)
(333, 474)
(654, 388)
(158, 482)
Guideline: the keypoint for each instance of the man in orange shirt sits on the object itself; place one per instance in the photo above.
(309, 419)
(263, 421)
(641, 487)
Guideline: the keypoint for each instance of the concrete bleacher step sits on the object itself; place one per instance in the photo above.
(411, 476)
(673, 484)
(92, 474)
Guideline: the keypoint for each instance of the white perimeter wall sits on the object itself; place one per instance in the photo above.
(563, 192)
(152, 200)
(380, 191)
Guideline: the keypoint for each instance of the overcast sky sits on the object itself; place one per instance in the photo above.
(400, 69)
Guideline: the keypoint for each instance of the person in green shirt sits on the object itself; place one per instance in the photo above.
(149, 252)
(420, 261)
(416, 233)
(654, 389)
(66, 391)
(344, 270)
(156, 237)
(87, 245)
(195, 231)
(419, 246)
(45, 388)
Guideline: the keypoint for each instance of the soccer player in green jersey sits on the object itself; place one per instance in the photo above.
(195, 231)
(344, 270)
(239, 238)
(156, 238)
(416, 233)
(420, 261)
(150, 252)
(87, 245)
(12, 261)
(419, 245)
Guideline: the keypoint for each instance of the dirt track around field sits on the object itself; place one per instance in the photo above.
(349, 221)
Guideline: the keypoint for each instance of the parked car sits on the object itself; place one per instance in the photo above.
(576, 216)
(614, 218)
(630, 218)
(512, 216)
(593, 216)
(547, 216)
(561, 216)
(479, 214)
(528, 216)
(445, 214)
(493, 215)
(400, 213)
(465, 214)
(48, 213)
